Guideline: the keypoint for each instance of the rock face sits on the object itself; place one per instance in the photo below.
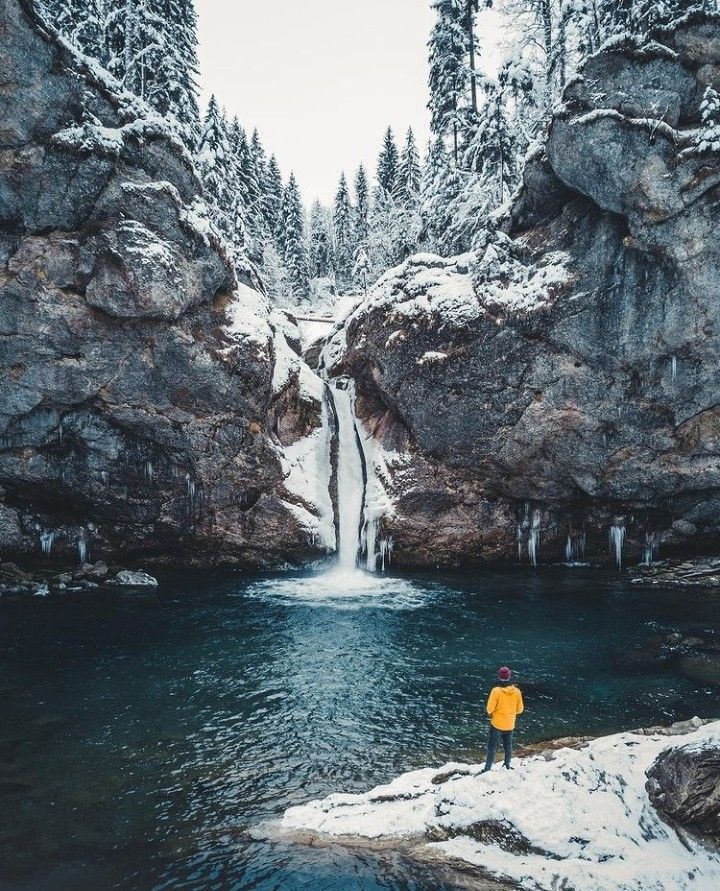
(554, 396)
(140, 409)
(684, 785)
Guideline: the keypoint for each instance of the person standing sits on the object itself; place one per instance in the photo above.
(504, 704)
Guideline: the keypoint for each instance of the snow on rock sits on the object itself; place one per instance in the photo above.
(432, 357)
(248, 316)
(307, 462)
(453, 293)
(574, 818)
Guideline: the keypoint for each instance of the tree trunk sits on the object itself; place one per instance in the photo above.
(470, 23)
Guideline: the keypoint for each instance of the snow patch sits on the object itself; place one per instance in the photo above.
(582, 815)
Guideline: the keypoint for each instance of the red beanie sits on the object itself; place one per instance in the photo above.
(504, 674)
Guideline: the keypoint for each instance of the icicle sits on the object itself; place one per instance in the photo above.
(82, 547)
(534, 538)
(617, 542)
(149, 471)
(373, 527)
(575, 548)
(190, 482)
(60, 433)
(673, 368)
(649, 549)
(46, 543)
(386, 551)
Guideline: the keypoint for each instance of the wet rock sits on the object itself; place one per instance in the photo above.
(128, 578)
(698, 573)
(684, 785)
(97, 570)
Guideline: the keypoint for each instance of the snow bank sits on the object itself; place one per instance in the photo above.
(574, 818)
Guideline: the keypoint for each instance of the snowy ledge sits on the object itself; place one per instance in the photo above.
(574, 818)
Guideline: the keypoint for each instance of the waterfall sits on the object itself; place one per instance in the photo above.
(617, 542)
(350, 475)
(674, 368)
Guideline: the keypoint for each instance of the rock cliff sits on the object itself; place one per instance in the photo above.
(150, 404)
(554, 396)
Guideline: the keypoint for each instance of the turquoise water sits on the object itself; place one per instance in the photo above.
(143, 736)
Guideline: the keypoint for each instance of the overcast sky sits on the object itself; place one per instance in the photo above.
(321, 79)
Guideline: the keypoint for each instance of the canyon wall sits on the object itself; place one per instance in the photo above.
(150, 406)
(554, 395)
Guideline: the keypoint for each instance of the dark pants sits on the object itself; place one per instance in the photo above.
(493, 740)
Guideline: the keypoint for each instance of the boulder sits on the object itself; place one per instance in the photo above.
(684, 786)
(128, 578)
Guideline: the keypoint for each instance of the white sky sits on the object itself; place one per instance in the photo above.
(320, 79)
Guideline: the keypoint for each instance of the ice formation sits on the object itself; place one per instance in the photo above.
(617, 542)
(350, 477)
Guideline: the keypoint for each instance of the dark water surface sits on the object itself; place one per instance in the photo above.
(142, 735)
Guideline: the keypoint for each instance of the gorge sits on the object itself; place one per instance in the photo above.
(256, 560)
(550, 397)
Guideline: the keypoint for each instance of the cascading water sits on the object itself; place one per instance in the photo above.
(350, 476)
(617, 542)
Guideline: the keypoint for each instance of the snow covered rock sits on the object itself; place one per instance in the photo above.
(578, 387)
(684, 784)
(572, 818)
(129, 578)
(139, 408)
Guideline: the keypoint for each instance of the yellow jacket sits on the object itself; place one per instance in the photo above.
(504, 705)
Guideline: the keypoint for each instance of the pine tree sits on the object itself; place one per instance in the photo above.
(343, 233)
(362, 207)
(409, 176)
(273, 199)
(176, 92)
(362, 269)
(388, 163)
(216, 165)
(709, 136)
(152, 50)
(296, 259)
(321, 257)
(80, 21)
(383, 249)
(449, 78)
(491, 152)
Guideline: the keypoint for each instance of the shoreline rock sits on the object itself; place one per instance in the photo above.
(86, 578)
(577, 816)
